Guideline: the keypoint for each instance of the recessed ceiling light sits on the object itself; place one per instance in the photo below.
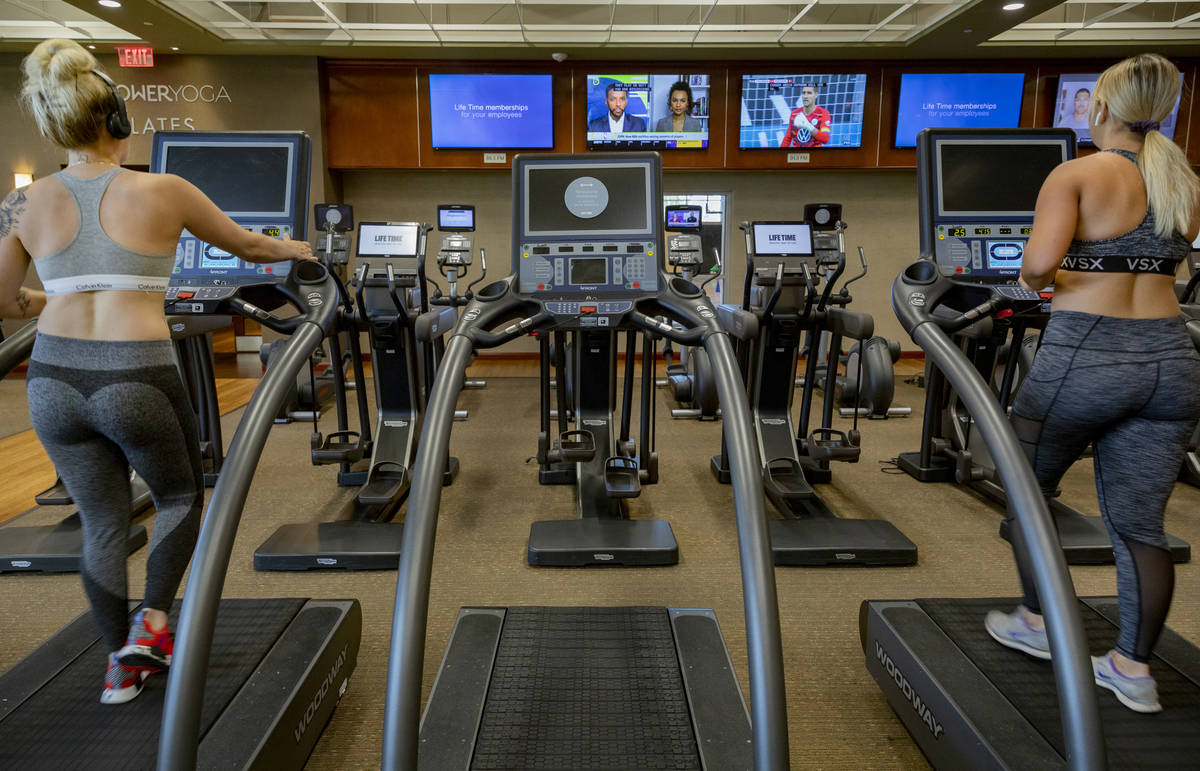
(110, 3)
(1006, 6)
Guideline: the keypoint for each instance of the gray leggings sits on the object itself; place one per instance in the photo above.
(98, 408)
(1130, 387)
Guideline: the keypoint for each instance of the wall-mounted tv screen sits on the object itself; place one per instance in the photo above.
(481, 111)
(1073, 101)
(647, 112)
(957, 100)
(802, 111)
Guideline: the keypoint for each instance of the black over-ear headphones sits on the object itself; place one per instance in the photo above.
(117, 121)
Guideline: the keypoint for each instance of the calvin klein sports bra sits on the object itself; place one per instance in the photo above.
(92, 261)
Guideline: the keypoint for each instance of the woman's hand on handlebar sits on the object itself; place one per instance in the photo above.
(296, 250)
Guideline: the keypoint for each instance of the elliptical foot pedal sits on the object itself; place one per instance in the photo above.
(337, 447)
(622, 477)
(569, 543)
(54, 495)
(386, 481)
(574, 447)
(830, 444)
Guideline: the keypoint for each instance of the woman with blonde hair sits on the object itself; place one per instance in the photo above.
(1116, 368)
(104, 393)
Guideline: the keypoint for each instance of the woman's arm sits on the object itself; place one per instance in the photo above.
(1054, 222)
(16, 301)
(204, 220)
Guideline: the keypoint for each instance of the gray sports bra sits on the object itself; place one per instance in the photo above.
(1140, 250)
(92, 261)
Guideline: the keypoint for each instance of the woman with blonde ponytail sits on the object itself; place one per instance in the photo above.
(1116, 368)
(104, 393)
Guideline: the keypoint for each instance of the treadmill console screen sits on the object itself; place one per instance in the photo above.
(260, 180)
(978, 194)
(587, 229)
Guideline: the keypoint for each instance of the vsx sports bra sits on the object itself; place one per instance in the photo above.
(1138, 251)
(92, 261)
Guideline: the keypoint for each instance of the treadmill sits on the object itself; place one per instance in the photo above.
(782, 259)
(253, 681)
(980, 237)
(967, 701)
(593, 687)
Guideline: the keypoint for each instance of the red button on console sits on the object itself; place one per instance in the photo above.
(186, 295)
(587, 308)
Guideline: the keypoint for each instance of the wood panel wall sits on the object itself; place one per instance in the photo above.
(377, 112)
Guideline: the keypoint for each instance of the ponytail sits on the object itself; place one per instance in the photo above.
(1172, 188)
(1140, 92)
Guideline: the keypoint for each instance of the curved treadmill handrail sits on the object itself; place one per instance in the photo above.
(184, 699)
(1082, 731)
(17, 347)
(402, 714)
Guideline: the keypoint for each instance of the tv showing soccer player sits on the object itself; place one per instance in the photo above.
(647, 112)
(957, 100)
(1073, 102)
(809, 111)
(491, 111)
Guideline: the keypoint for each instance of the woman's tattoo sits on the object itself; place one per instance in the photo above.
(10, 211)
(23, 302)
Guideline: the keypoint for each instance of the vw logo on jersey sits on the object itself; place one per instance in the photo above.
(803, 136)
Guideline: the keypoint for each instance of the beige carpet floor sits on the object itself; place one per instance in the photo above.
(838, 718)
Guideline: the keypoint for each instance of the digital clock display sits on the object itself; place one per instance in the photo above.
(1005, 231)
(983, 231)
(273, 232)
(957, 232)
(1026, 231)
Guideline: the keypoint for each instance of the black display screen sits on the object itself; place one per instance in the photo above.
(240, 179)
(999, 179)
(593, 200)
(589, 271)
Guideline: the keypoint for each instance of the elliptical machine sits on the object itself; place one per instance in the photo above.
(311, 393)
(781, 291)
(869, 385)
(453, 259)
(691, 379)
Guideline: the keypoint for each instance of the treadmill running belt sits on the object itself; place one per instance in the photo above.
(1169, 739)
(595, 688)
(64, 725)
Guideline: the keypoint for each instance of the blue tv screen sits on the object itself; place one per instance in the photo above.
(957, 100)
(491, 111)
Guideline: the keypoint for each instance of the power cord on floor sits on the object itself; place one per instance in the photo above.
(890, 466)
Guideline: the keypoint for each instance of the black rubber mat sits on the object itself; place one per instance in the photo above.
(1169, 739)
(594, 688)
(64, 725)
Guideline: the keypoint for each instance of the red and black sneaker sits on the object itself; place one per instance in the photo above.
(122, 684)
(147, 649)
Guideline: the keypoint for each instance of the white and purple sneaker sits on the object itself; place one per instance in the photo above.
(1012, 631)
(1140, 694)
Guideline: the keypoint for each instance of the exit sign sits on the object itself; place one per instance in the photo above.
(135, 56)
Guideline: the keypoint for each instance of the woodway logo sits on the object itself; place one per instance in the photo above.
(910, 693)
(322, 691)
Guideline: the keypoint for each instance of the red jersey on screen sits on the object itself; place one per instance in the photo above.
(802, 137)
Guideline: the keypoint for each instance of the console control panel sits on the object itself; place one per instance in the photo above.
(684, 251)
(981, 249)
(571, 268)
(205, 276)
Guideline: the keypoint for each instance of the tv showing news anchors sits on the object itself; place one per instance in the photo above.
(802, 111)
(648, 112)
